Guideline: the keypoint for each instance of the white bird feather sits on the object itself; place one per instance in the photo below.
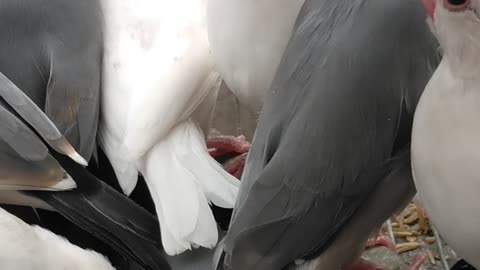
(248, 38)
(33, 247)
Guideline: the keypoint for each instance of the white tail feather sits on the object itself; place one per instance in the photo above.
(218, 185)
(125, 171)
(181, 180)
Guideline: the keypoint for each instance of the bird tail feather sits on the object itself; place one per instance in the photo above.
(183, 179)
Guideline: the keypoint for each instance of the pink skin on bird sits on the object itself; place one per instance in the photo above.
(429, 6)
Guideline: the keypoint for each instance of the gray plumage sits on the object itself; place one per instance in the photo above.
(23, 140)
(26, 143)
(37, 52)
(332, 141)
(24, 160)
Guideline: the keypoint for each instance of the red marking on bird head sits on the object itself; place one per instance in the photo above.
(429, 6)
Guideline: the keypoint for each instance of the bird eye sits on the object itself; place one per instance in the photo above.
(456, 5)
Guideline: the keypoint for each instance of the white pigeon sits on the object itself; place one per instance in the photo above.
(446, 129)
(33, 247)
(159, 92)
(248, 38)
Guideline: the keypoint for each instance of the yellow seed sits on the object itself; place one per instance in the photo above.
(411, 218)
(403, 247)
(429, 240)
(402, 233)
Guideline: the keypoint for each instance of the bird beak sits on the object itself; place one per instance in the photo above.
(429, 6)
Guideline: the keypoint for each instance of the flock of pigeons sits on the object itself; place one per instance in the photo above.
(106, 107)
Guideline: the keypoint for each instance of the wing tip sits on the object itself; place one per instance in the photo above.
(67, 183)
(78, 159)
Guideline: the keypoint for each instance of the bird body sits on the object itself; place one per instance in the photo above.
(159, 91)
(445, 154)
(248, 39)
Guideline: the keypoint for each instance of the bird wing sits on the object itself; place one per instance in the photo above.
(94, 206)
(34, 116)
(25, 162)
(328, 127)
(108, 215)
(72, 96)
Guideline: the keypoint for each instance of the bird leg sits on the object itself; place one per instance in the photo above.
(221, 145)
(236, 165)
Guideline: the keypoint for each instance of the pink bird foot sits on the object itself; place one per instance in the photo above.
(417, 261)
(221, 145)
(382, 241)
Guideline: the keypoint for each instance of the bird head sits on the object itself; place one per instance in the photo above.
(456, 25)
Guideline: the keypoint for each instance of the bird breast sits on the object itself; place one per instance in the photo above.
(446, 158)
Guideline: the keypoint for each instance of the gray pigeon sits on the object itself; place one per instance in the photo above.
(330, 158)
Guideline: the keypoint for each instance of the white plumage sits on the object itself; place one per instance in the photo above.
(32, 247)
(159, 91)
(446, 133)
(248, 38)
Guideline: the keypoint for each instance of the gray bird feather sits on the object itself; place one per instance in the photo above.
(20, 138)
(339, 109)
(34, 116)
(69, 93)
(24, 160)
